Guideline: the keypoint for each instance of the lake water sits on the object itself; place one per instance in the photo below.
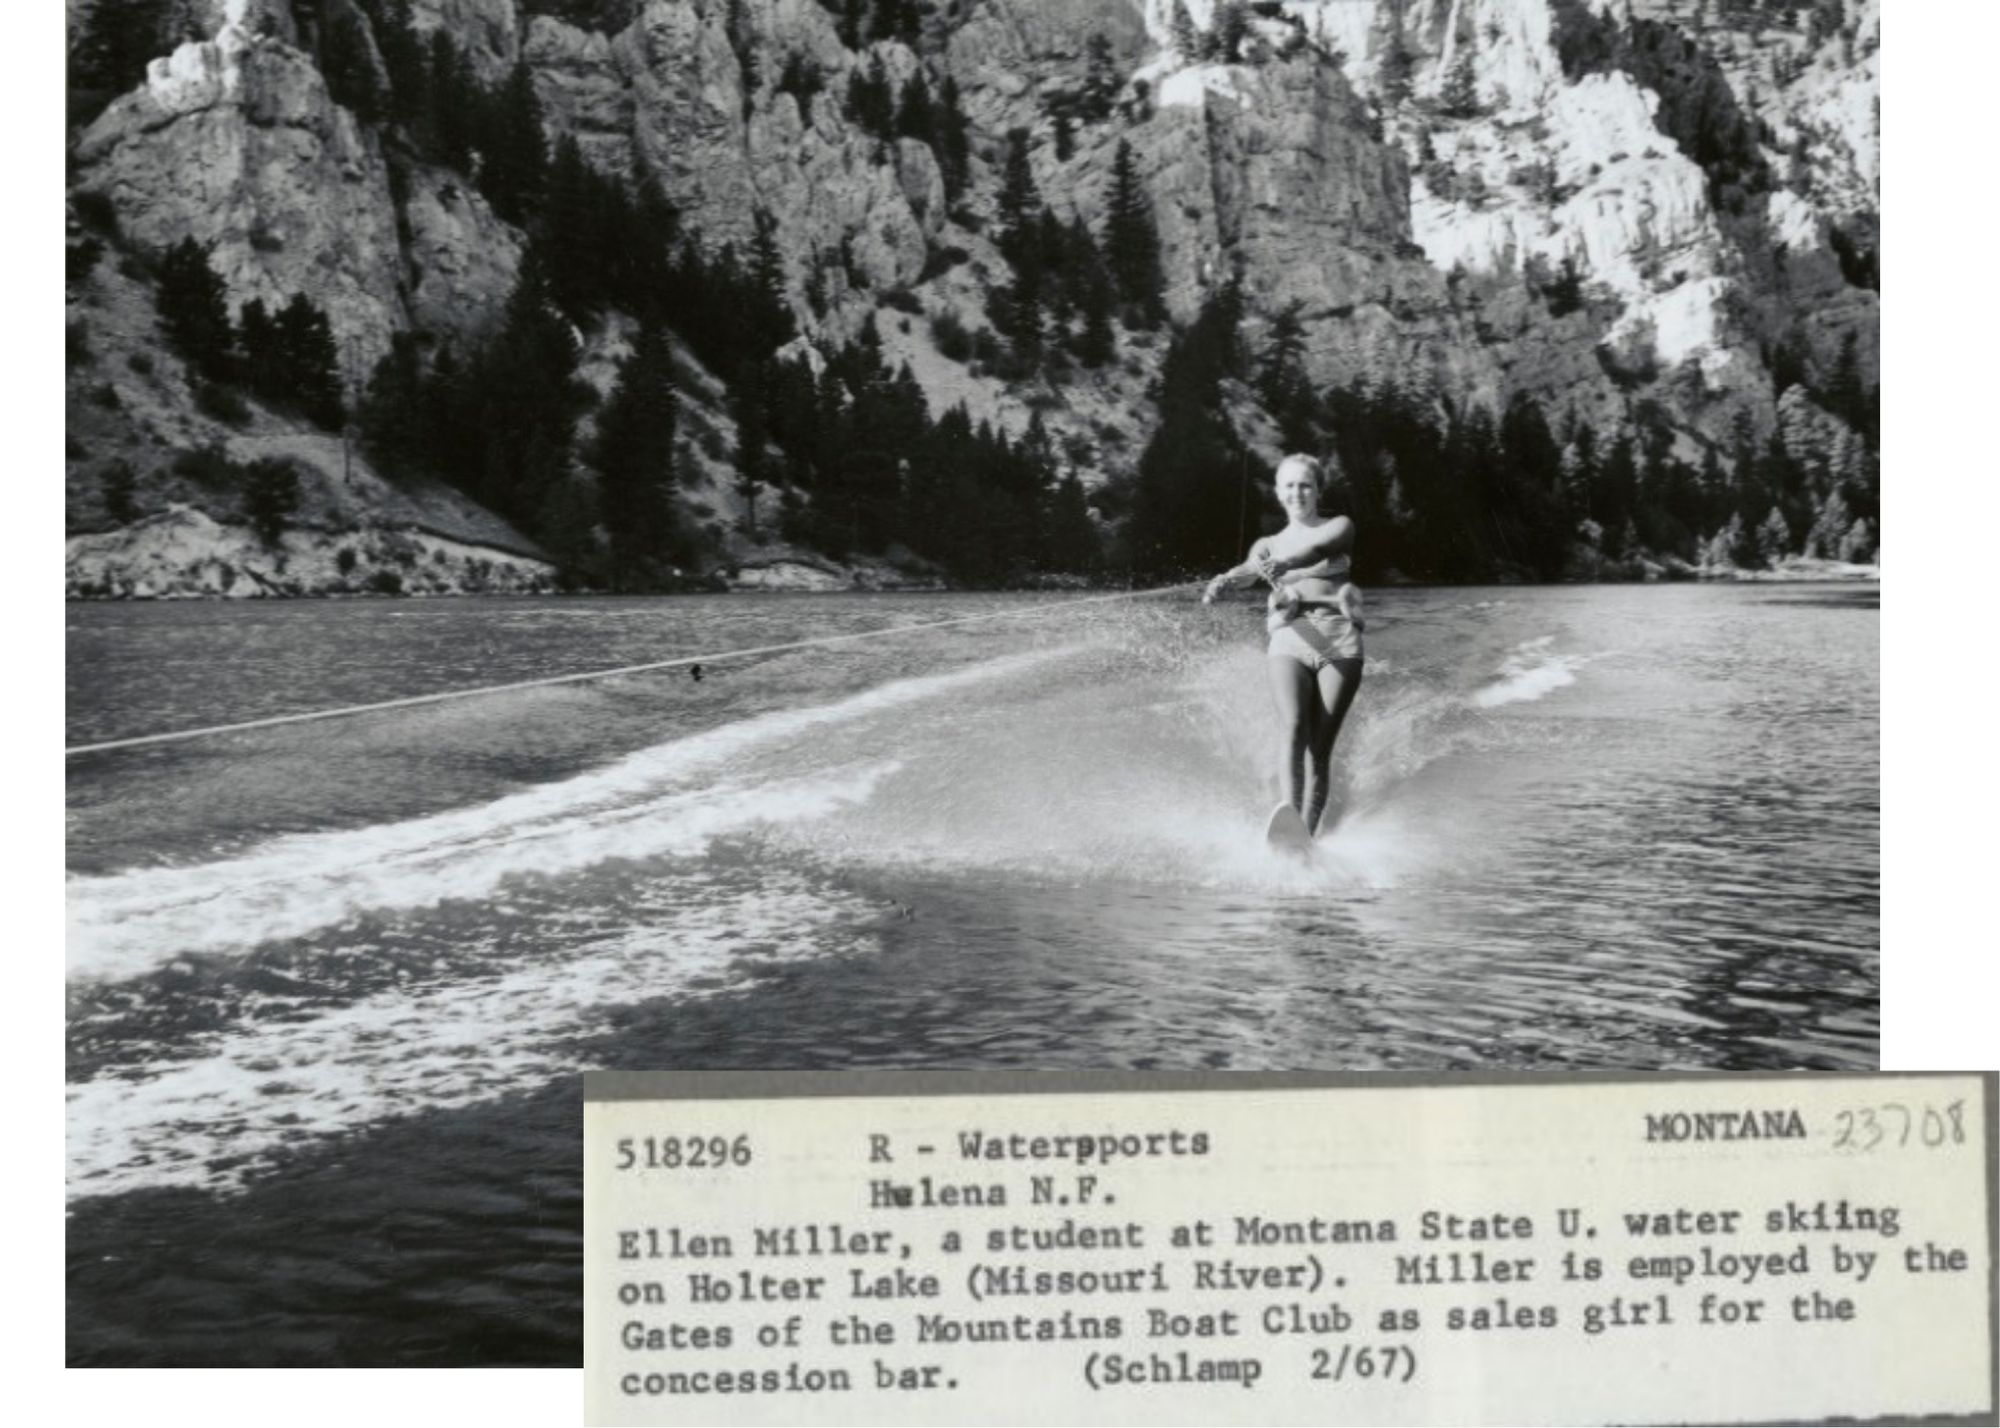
(330, 985)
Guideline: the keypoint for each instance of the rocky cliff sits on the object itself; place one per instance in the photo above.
(1415, 176)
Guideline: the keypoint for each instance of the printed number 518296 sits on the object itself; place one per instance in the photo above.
(674, 1152)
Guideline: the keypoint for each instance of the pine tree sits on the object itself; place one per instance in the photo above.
(1072, 541)
(448, 419)
(394, 416)
(954, 139)
(914, 119)
(1018, 207)
(1188, 494)
(1282, 381)
(80, 259)
(291, 361)
(452, 98)
(748, 404)
(1774, 539)
(402, 51)
(1460, 96)
(1830, 526)
(1101, 80)
(871, 102)
(1723, 548)
(581, 266)
(1230, 26)
(1015, 307)
(655, 227)
(309, 361)
(1845, 395)
(117, 488)
(117, 40)
(801, 78)
(770, 308)
(518, 404)
(194, 310)
(742, 41)
(1060, 270)
(634, 459)
(1579, 471)
(1132, 245)
(1187, 40)
(1030, 479)
(1096, 344)
(900, 20)
(1564, 293)
(566, 525)
(257, 341)
(1398, 65)
(515, 150)
(270, 497)
(1283, 359)
(347, 60)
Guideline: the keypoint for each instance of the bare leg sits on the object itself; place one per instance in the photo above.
(1298, 703)
(1338, 684)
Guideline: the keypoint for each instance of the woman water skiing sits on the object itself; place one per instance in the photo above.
(1315, 627)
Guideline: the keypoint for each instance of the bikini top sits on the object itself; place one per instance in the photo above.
(1334, 567)
(1332, 570)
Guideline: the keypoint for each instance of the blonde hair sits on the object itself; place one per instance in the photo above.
(1310, 463)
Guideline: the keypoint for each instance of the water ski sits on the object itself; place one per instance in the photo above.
(1287, 831)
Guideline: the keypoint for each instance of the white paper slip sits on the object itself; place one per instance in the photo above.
(1300, 1249)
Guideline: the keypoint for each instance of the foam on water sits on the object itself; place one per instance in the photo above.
(257, 1089)
(1532, 671)
(640, 805)
(1099, 779)
(597, 891)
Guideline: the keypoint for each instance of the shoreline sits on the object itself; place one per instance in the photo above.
(1850, 576)
(184, 554)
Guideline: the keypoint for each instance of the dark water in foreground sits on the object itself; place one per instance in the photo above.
(330, 985)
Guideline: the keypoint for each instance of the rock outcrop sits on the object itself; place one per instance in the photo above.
(236, 143)
(677, 96)
(1413, 174)
(181, 552)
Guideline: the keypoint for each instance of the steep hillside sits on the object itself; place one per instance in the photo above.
(1537, 271)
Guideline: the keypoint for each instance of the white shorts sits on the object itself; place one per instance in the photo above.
(1316, 637)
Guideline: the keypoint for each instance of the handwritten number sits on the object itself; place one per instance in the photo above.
(1866, 1128)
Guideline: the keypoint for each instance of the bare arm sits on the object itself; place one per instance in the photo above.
(1336, 537)
(1259, 566)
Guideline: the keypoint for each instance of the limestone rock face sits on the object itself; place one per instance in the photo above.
(1553, 170)
(234, 142)
(689, 123)
(489, 30)
(462, 259)
(1821, 101)
(1002, 50)
(922, 184)
(672, 96)
(1414, 240)
(265, 17)
(583, 90)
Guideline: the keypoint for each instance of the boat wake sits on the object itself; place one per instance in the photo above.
(226, 1014)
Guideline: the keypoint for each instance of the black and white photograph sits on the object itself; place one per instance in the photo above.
(1180, 535)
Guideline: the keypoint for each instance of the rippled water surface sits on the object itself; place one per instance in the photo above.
(330, 984)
